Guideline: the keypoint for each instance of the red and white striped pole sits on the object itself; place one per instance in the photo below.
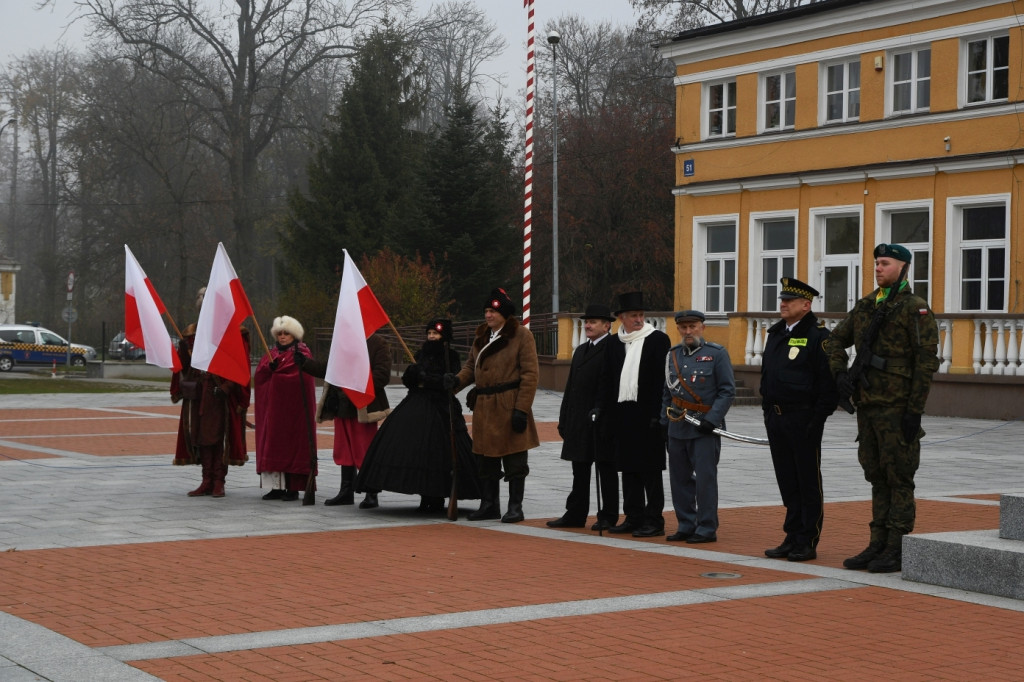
(528, 203)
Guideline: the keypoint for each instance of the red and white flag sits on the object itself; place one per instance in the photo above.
(359, 316)
(143, 324)
(219, 348)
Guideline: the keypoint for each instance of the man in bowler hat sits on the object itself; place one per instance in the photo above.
(798, 395)
(585, 440)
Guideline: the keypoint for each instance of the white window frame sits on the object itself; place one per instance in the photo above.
(727, 106)
(823, 81)
(955, 243)
(698, 282)
(914, 82)
(883, 231)
(962, 89)
(755, 265)
(762, 115)
(816, 248)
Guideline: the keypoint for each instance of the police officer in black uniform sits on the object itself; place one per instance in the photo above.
(798, 395)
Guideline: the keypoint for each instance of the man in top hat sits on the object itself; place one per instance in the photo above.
(634, 399)
(503, 364)
(585, 438)
(798, 394)
(897, 344)
(698, 379)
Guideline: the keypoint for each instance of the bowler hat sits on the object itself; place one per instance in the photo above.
(596, 311)
(794, 288)
(633, 300)
(689, 316)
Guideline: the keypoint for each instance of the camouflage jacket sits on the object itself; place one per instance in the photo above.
(907, 343)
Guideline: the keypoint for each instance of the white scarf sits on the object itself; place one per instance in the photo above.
(629, 379)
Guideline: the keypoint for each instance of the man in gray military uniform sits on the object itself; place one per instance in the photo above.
(698, 380)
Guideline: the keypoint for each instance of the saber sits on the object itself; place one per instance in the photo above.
(728, 434)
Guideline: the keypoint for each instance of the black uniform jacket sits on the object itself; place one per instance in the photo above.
(795, 371)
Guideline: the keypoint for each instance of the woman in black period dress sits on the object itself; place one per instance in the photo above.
(412, 451)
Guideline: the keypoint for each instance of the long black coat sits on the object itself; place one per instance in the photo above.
(588, 374)
(639, 445)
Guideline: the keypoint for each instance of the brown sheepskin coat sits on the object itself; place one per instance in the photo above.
(511, 357)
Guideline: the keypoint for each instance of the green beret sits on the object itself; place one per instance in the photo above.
(893, 251)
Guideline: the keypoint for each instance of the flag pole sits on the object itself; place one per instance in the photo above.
(408, 352)
(260, 332)
(173, 325)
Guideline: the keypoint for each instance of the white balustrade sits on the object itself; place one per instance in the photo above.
(945, 345)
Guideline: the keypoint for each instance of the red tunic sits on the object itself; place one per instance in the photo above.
(284, 413)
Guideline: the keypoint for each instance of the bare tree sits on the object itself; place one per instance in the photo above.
(239, 62)
(679, 15)
(456, 42)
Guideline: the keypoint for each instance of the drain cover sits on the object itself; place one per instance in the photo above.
(720, 575)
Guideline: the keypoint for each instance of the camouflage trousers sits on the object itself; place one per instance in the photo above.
(889, 464)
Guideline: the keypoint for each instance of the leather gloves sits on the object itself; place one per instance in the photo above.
(706, 426)
(450, 382)
(519, 421)
(273, 365)
(300, 358)
(910, 426)
(845, 385)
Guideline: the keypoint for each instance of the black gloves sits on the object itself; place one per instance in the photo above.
(273, 365)
(412, 376)
(706, 426)
(450, 382)
(910, 426)
(845, 385)
(594, 415)
(519, 421)
(300, 357)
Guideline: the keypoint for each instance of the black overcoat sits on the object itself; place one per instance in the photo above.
(588, 374)
(639, 445)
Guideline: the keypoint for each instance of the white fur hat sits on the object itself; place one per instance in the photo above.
(287, 324)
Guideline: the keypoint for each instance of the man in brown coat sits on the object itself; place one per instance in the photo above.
(503, 365)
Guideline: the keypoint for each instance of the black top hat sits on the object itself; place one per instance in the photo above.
(596, 311)
(633, 300)
(794, 288)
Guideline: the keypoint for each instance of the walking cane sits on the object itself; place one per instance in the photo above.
(453, 500)
(597, 478)
(309, 497)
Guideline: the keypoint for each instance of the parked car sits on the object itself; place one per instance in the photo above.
(123, 349)
(26, 344)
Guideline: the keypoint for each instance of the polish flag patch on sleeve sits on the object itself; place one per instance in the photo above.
(922, 311)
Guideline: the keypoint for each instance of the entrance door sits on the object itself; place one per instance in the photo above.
(840, 262)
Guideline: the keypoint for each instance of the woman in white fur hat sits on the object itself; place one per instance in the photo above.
(285, 399)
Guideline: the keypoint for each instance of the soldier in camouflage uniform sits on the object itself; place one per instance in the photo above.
(890, 394)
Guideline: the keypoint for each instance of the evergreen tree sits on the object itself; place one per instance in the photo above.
(471, 225)
(364, 192)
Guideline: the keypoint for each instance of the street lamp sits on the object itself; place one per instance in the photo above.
(553, 39)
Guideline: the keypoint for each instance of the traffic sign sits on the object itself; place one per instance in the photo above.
(69, 315)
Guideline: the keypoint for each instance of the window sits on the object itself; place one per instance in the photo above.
(778, 258)
(911, 227)
(779, 101)
(720, 267)
(835, 240)
(842, 92)
(911, 81)
(721, 119)
(983, 258)
(988, 69)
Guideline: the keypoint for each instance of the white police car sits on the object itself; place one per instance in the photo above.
(25, 344)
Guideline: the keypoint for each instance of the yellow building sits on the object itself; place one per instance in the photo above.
(807, 136)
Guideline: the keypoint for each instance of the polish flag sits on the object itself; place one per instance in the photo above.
(359, 316)
(219, 348)
(143, 324)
